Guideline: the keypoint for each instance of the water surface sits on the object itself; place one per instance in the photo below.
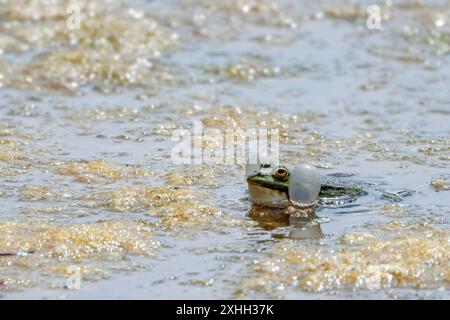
(86, 118)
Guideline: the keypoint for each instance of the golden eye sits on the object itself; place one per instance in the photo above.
(281, 173)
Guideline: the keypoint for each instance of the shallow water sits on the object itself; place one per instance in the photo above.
(86, 118)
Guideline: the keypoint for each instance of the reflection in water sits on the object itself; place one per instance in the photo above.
(302, 223)
(304, 228)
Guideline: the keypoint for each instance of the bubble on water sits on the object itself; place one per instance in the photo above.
(45, 250)
(99, 171)
(441, 184)
(105, 114)
(382, 258)
(204, 176)
(106, 52)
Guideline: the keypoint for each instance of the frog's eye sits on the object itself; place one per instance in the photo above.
(281, 173)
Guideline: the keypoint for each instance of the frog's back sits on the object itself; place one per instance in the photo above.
(340, 185)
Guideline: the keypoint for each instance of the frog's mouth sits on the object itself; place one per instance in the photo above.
(266, 181)
(264, 191)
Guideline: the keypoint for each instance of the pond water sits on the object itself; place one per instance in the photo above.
(87, 183)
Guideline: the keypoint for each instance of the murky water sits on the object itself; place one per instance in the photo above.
(86, 118)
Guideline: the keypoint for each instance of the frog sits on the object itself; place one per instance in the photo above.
(301, 186)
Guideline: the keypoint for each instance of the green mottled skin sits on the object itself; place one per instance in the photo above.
(328, 190)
